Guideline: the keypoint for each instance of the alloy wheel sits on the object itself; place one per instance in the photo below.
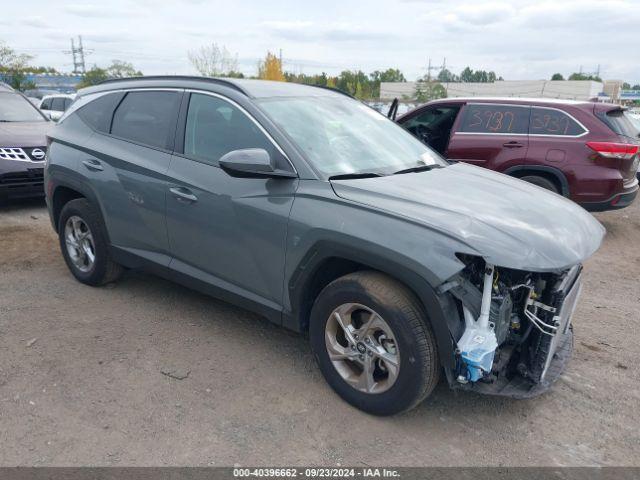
(362, 348)
(79, 242)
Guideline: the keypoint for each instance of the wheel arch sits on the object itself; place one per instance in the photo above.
(327, 262)
(65, 191)
(550, 173)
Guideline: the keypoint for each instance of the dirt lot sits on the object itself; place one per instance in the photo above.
(81, 379)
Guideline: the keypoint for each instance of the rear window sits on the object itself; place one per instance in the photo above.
(487, 118)
(618, 121)
(147, 118)
(549, 121)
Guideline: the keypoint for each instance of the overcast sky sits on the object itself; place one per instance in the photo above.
(518, 39)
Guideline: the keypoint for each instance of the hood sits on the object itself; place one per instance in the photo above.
(509, 222)
(24, 134)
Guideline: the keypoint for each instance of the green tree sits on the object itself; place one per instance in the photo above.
(120, 69)
(446, 76)
(388, 75)
(583, 76)
(557, 76)
(14, 67)
(428, 90)
(94, 76)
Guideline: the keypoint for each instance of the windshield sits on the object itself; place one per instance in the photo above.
(15, 108)
(340, 136)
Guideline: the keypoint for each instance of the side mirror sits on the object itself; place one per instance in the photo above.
(251, 162)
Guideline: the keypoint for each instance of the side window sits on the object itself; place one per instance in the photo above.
(67, 103)
(215, 127)
(98, 112)
(433, 118)
(546, 121)
(147, 118)
(46, 104)
(488, 118)
(57, 105)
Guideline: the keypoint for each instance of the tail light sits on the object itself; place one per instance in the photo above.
(621, 151)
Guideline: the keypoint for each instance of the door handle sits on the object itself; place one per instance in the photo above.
(183, 194)
(513, 144)
(94, 165)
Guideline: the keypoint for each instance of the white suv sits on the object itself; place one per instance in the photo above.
(54, 106)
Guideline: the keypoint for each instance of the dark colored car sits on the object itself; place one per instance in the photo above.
(319, 213)
(23, 132)
(585, 151)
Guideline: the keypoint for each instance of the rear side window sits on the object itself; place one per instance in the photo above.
(97, 113)
(547, 121)
(46, 104)
(488, 118)
(618, 121)
(147, 118)
(216, 127)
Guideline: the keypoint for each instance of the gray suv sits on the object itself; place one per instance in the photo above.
(312, 209)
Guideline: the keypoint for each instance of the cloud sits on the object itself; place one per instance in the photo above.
(98, 11)
(480, 14)
(307, 31)
(36, 22)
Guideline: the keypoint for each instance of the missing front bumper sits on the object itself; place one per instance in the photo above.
(519, 387)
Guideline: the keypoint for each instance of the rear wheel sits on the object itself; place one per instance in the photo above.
(373, 343)
(84, 245)
(541, 182)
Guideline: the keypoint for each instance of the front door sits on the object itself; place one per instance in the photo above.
(494, 136)
(225, 232)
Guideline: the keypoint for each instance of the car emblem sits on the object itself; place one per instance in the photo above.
(37, 154)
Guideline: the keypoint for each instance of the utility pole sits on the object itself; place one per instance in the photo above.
(78, 55)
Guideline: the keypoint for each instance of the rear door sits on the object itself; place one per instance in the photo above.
(127, 168)
(493, 136)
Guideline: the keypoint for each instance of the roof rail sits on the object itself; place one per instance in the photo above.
(219, 81)
(333, 89)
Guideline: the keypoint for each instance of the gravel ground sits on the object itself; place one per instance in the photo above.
(86, 377)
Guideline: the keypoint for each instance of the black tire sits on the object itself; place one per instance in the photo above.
(104, 269)
(419, 365)
(541, 182)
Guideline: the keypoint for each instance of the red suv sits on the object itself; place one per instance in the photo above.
(583, 150)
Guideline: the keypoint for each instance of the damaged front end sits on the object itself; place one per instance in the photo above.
(516, 338)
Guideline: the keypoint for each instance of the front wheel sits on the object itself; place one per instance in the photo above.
(373, 343)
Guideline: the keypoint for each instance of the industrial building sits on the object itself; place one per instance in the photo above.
(566, 89)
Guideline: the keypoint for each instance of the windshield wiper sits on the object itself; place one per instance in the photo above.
(420, 168)
(347, 176)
